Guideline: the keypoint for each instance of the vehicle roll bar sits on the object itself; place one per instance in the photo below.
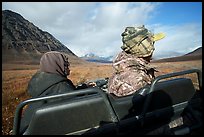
(155, 81)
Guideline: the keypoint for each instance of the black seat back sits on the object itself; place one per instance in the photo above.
(71, 116)
(170, 94)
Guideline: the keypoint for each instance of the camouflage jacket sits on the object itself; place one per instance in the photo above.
(130, 74)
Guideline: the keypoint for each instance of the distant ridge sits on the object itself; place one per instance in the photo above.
(196, 52)
(91, 57)
(194, 55)
(98, 61)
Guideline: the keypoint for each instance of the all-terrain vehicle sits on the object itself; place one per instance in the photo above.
(167, 107)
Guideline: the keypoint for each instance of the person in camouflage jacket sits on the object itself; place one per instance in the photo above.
(132, 69)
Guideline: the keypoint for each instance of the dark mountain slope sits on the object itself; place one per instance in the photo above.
(22, 41)
(194, 55)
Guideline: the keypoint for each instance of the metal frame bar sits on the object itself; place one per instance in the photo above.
(155, 81)
(18, 112)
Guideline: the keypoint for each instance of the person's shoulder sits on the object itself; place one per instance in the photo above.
(121, 55)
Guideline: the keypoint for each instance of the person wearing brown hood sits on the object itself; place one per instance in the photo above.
(52, 76)
(51, 79)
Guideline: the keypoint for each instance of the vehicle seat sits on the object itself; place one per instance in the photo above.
(172, 95)
(71, 116)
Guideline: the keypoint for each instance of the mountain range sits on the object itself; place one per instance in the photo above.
(24, 42)
(91, 57)
(194, 55)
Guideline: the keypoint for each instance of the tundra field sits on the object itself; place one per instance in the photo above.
(15, 79)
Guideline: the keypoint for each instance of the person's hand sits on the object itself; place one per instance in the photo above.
(91, 84)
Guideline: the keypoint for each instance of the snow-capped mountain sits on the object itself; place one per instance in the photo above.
(91, 57)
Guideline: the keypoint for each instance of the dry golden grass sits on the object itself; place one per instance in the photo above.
(170, 67)
(82, 73)
(14, 84)
(15, 79)
(18, 66)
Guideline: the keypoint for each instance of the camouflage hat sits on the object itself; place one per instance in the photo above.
(139, 41)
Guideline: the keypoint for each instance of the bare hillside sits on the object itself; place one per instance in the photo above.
(23, 42)
(194, 55)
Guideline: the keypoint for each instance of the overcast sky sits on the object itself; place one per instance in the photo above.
(96, 27)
